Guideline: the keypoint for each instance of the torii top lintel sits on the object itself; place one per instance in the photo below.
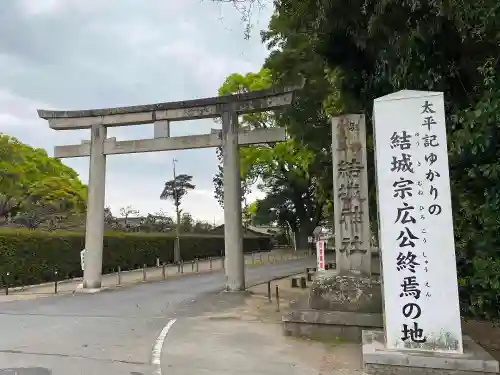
(254, 101)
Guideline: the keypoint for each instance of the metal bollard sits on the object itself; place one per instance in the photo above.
(182, 267)
(163, 271)
(210, 263)
(197, 265)
(277, 299)
(55, 281)
(192, 266)
(303, 282)
(119, 276)
(6, 278)
(269, 291)
(143, 272)
(157, 262)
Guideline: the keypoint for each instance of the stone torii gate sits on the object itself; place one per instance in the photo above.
(228, 108)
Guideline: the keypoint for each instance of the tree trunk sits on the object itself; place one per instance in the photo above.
(302, 235)
(177, 244)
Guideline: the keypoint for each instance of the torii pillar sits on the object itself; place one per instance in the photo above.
(228, 108)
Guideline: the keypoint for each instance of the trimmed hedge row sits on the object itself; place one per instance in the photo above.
(32, 256)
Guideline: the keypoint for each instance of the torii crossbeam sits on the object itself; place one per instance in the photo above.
(228, 108)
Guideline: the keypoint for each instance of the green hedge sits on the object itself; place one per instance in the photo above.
(32, 256)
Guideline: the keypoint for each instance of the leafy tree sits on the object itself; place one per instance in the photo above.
(110, 221)
(175, 190)
(35, 188)
(372, 48)
(127, 212)
(238, 84)
(187, 222)
(51, 200)
(202, 227)
(257, 216)
(157, 222)
(6, 205)
(287, 170)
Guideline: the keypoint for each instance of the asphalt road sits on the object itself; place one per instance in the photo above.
(109, 333)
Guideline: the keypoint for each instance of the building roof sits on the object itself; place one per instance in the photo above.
(247, 229)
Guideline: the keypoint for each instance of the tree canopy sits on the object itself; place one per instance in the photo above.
(353, 52)
(177, 188)
(285, 171)
(35, 188)
(372, 48)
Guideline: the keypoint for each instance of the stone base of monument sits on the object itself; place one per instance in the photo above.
(346, 292)
(321, 324)
(339, 307)
(378, 360)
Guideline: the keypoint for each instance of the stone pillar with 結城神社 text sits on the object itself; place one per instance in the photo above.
(350, 195)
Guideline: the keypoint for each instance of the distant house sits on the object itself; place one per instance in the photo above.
(248, 231)
(130, 222)
(266, 230)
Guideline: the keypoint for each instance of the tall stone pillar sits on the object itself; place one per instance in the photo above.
(233, 241)
(349, 290)
(94, 229)
(350, 195)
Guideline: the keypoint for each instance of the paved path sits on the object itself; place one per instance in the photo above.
(113, 332)
(126, 278)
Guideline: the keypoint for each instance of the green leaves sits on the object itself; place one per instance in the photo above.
(353, 52)
(286, 170)
(177, 188)
(32, 182)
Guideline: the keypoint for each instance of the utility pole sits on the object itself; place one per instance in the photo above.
(177, 245)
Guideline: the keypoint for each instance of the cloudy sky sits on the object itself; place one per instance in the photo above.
(80, 54)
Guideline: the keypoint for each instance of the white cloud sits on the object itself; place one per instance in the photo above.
(207, 67)
(41, 6)
(55, 7)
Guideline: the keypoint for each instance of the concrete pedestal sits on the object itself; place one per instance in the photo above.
(324, 325)
(349, 293)
(378, 360)
(339, 306)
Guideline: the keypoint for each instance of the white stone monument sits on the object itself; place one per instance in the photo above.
(421, 306)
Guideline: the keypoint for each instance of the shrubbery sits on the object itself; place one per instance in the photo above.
(32, 256)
